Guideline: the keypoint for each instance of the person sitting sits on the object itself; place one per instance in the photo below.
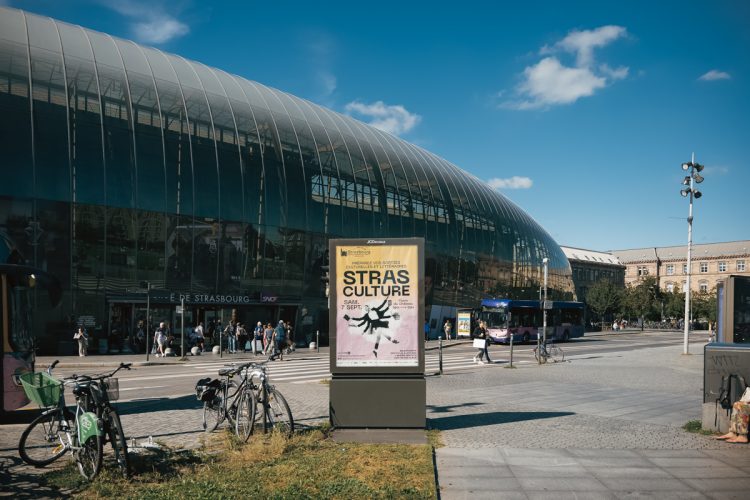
(738, 422)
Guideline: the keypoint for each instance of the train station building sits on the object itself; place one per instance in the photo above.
(124, 168)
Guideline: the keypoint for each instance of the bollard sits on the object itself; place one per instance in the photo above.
(511, 349)
(317, 340)
(440, 354)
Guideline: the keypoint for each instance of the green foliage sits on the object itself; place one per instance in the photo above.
(674, 304)
(641, 298)
(604, 297)
(696, 427)
(704, 305)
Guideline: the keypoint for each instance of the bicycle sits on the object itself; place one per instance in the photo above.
(51, 435)
(277, 416)
(216, 394)
(549, 351)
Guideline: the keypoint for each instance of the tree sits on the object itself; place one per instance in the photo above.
(604, 297)
(674, 304)
(640, 298)
(704, 305)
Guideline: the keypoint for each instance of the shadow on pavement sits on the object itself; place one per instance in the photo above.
(450, 408)
(18, 480)
(188, 402)
(495, 417)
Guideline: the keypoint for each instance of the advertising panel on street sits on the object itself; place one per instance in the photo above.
(377, 305)
(463, 324)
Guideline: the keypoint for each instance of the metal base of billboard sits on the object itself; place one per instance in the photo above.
(378, 402)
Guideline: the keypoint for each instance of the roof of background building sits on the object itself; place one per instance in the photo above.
(590, 256)
(678, 253)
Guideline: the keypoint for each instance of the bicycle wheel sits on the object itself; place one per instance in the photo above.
(213, 413)
(43, 441)
(232, 395)
(119, 444)
(245, 415)
(556, 354)
(278, 415)
(89, 457)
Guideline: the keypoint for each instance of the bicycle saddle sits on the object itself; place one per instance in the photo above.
(226, 371)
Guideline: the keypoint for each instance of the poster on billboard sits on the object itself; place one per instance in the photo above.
(377, 305)
(463, 328)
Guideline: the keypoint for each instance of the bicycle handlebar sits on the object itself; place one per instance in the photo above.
(101, 376)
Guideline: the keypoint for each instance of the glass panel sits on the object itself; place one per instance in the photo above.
(85, 118)
(180, 254)
(118, 141)
(16, 175)
(203, 147)
(12, 26)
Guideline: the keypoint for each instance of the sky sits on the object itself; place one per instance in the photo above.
(580, 112)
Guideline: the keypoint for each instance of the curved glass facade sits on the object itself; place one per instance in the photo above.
(122, 164)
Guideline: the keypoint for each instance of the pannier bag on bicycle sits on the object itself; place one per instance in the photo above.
(205, 389)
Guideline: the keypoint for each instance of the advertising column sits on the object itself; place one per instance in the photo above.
(376, 316)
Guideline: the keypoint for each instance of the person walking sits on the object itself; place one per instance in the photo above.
(231, 333)
(480, 332)
(279, 335)
(268, 339)
(242, 337)
(82, 339)
(426, 330)
(160, 335)
(448, 329)
(258, 338)
(200, 339)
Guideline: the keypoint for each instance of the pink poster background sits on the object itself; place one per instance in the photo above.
(356, 347)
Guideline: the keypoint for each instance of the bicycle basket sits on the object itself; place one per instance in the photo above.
(205, 389)
(41, 388)
(112, 386)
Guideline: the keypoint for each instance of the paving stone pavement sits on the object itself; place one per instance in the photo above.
(597, 426)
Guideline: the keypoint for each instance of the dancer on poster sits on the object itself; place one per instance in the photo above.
(374, 318)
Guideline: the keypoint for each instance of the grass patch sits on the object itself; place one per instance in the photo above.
(696, 427)
(309, 465)
(434, 438)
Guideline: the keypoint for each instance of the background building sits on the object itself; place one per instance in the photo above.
(710, 263)
(589, 267)
(122, 165)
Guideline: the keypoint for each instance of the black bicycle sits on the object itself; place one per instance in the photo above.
(59, 430)
(277, 416)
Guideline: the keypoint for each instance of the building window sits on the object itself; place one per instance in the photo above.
(741, 266)
(642, 271)
(684, 269)
(670, 269)
(722, 267)
(703, 286)
(684, 286)
(670, 287)
(704, 267)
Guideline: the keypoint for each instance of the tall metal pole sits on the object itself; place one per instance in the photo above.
(182, 327)
(544, 308)
(685, 348)
(148, 316)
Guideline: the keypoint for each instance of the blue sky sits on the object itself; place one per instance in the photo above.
(579, 112)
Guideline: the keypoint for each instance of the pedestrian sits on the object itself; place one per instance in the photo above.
(242, 337)
(290, 338)
(268, 339)
(426, 330)
(280, 340)
(161, 338)
(480, 332)
(447, 328)
(83, 342)
(231, 334)
(258, 338)
(200, 339)
(140, 337)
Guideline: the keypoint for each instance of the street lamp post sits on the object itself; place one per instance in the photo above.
(690, 192)
(543, 301)
(147, 285)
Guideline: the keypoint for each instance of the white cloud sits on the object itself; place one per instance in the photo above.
(514, 182)
(159, 30)
(395, 120)
(715, 75)
(715, 170)
(550, 82)
(150, 23)
(583, 43)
